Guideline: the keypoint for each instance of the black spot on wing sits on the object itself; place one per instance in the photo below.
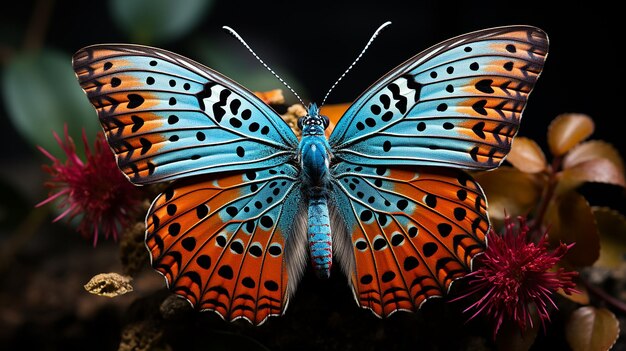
(485, 86)
(414, 85)
(134, 101)
(218, 107)
(145, 145)
(203, 94)
(401, 100)
(137, 123)
(479, 107)
(478, 129)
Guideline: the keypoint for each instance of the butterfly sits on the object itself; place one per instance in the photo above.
(249, 205)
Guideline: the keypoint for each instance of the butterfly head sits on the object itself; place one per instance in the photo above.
(313, 123)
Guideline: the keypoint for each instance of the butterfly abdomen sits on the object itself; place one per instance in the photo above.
(319, 235)
(315, 155)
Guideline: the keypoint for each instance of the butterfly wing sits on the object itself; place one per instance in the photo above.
(414, 231)
(225, 242)
(167, 117)
(457, 104)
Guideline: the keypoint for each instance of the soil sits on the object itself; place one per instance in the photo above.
(44, 306)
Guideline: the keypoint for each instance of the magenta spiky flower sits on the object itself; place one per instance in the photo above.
(95, 191)
(515, 276)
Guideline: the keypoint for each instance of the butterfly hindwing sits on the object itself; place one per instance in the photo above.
(413, 231)
(167, 117)
(457, 104)
(220, 241)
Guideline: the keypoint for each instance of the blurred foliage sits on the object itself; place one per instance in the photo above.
(234, 61)
(41, 94)
(152, 22)
(45, 74)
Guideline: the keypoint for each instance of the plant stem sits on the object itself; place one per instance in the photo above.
(548, 195)
(614, 302)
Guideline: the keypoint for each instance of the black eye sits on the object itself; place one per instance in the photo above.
(300, 120)
(325, 120)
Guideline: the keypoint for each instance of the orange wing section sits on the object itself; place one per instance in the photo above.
(220, 242)
(413, 232)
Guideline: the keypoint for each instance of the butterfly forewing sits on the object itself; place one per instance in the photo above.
(457, 104)
(413, 231)
(168, 117)
(220, 241)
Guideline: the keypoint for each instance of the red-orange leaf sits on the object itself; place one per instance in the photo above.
(527, 156)
(612, 228)
(591, 329)
(581, 298)
(509, 191)
(598, 170)
(567, 130)
(571, 220)
(591, 150)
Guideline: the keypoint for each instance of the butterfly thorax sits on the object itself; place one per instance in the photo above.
(314, 150)
(315, 176)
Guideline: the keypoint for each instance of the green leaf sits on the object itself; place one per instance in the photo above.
(158, 21)
(42, 94)
(612, 228)
(591, 329)
(571, 220)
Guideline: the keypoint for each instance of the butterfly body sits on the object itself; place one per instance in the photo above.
(315, 156)
(250, 205)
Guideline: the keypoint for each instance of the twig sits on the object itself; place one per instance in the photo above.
(606, 297)
(6, 53)
(536, 226)
(36, 30)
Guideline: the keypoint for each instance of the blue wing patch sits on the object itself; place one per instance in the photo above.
(457, 104)
(168, 117)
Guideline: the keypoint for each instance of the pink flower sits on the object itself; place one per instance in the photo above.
(95, 190)
(515, 276)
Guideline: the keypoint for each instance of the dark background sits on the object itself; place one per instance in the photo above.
(316, 40)
(310, 44)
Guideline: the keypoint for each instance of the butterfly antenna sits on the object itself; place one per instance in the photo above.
(356, 60)
(238, 37)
